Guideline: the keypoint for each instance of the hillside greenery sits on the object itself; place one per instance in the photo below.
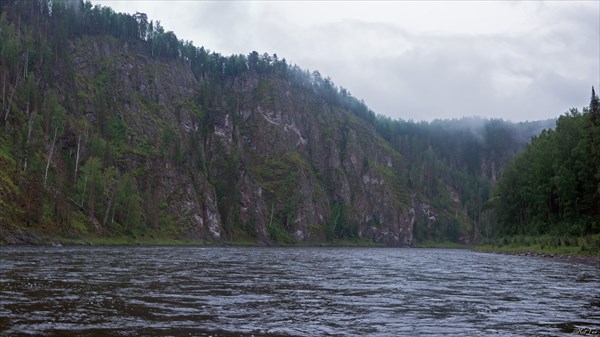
(61, 172)
(553, 186)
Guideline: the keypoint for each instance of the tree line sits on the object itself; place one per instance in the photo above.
(553, 186)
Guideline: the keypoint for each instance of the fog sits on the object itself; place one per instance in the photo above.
(414, 60)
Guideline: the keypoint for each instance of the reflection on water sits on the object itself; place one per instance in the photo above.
(189, 291)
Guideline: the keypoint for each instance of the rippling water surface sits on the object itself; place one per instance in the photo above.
(190, 291)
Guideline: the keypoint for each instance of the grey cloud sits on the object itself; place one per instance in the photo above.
(403, 74)
(453, 76)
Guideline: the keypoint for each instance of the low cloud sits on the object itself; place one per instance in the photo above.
(517, 61)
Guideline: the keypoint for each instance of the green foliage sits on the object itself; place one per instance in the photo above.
(226, 187)
(338, 226)
(544, 244)
(90, 185)
(552, 186)
(128, 209)
(279, 179)
(392, 179)
(264, 93)
(442, 245)
(452, 230)
(79, 223)
(102, 180)
(170, 145)
(117, 132)
(278, 234)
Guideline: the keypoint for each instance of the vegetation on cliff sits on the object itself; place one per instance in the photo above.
(113, 127)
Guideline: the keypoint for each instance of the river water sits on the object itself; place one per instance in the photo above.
(191, 291)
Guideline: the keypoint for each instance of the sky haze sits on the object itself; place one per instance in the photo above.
(525, 60)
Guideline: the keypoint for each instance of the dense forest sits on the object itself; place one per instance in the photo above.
(113, 126)
(553, 187)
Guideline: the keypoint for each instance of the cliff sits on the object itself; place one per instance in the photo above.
(110, 132)
(262, 155)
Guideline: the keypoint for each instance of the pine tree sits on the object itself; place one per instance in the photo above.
(595, 108)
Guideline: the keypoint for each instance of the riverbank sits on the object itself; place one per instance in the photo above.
(572, 254)
(578, 250)
(30, 238)
(442, 245)
(544, 244)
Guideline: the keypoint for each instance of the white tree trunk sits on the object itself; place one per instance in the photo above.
(10, 102)
(77, 160)
(29, 129)
(50, 155)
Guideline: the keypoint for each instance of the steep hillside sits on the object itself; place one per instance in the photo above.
(113, 127)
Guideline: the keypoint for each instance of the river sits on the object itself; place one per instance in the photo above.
(197, 291)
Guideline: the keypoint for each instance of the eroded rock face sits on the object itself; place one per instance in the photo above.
(339, 161)
(262, 153)
(150, 96)
(189, 199)
(253, 211)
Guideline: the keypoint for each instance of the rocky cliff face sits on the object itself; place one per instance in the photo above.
(112, 127)
(153, 100)
(279, 155)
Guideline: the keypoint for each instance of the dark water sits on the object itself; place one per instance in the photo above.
(167, 291)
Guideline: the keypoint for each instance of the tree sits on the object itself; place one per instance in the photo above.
(592, 136)
(54, 117)
(90, 186)
(142, 21)
(595, 108)
(553, 186)
(127, 209)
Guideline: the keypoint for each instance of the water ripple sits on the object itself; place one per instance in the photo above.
(188, 291)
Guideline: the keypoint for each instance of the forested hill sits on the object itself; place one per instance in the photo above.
(112, 127)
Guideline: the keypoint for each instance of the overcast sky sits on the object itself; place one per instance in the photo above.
(414, 60)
